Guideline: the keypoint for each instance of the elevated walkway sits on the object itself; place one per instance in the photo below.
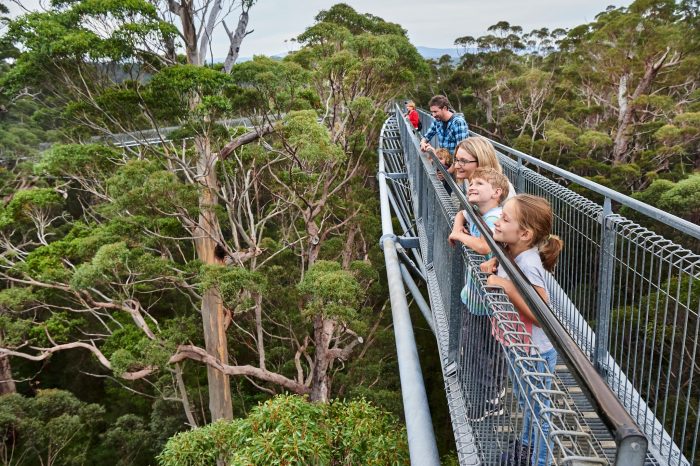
(614, 291)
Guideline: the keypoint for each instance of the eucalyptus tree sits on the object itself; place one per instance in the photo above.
(634, 62)
(88, 47)
(112, 249)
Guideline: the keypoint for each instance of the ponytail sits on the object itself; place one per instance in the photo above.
(549, 250)
(534, 213)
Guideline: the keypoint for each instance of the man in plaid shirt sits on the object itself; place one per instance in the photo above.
(450, 127)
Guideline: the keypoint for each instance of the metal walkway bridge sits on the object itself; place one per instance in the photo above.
(623, 319)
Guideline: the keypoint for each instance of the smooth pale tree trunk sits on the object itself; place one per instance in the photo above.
(626, 105)
(7, 385)
(320, 382)
(208, 235)
(208, 231)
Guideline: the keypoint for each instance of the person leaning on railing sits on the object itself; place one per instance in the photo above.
(483, 364)
(525, 230)
(412, 115)
(443, 155)
(450, 127)
(472, 153)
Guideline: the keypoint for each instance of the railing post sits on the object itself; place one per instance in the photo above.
(519, 180)
(605, 286)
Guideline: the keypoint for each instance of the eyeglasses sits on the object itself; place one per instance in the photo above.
(465, 162)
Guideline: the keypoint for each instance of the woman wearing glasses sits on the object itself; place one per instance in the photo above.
(472, 153)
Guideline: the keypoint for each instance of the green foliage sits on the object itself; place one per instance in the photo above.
(129, 441)
(290, 430)
(231, 282)
(86, 160)
(142, 187)
(173, 89)
(30, 205)
(60, 325)
(681, 198)
(309, 139)
(555, 94)
(330, 291)
(283, 84)
(52, 428)
(120, 250)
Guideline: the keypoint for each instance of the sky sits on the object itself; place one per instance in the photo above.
(434, 23)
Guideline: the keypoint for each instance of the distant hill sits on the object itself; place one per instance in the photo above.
(426, 52)
(430, 52)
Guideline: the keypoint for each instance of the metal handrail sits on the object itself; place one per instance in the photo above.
(632, 443)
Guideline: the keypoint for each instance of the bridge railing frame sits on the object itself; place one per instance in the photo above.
(435, 217)
(630, 270)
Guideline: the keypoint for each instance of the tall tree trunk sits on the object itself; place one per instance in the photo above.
(7, 384)
(320, 382)
(208, 235)
(624, 118)
(314, 242)
(235, 40)
(626, 109)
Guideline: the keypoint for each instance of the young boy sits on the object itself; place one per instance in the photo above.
(445, 159)
(487, 190)
(482, 357)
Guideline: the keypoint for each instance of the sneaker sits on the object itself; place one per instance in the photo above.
(497, 399)
(479, 413)
(516, 455)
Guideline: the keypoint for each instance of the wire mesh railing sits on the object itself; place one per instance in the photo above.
(517, 411)
(629, 298)
(638, 297)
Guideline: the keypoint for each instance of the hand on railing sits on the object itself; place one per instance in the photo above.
(457, 236)
(489, 266)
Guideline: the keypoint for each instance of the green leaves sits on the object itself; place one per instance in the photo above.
(281, 85)
(330, 291)
(53, 427)
(309, 139)
(681, 198)
(30, 205)
(83, 160)
(290, 430)
(142, 187)
(173, 89)
(231, 282)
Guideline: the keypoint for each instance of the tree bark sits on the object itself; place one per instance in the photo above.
(235, 39)
(209, 30)
(623, 120)
(208, 236)
(199, 354)
(185, 11)
(626, 109)
(320, 382)
(7, 384)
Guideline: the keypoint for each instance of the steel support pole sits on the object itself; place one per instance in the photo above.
(605, 284)
(419, 425)
(418, 297)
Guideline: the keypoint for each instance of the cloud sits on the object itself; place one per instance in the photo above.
(434, 24)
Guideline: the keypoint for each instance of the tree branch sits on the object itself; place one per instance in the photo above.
(247, 138)
(45, 353)
(199, 354)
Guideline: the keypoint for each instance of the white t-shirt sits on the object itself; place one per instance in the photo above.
(530, 263)
(511, 191)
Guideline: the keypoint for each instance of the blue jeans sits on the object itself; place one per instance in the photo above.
(531, 433)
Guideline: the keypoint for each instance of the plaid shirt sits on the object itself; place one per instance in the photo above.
(451, 134)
